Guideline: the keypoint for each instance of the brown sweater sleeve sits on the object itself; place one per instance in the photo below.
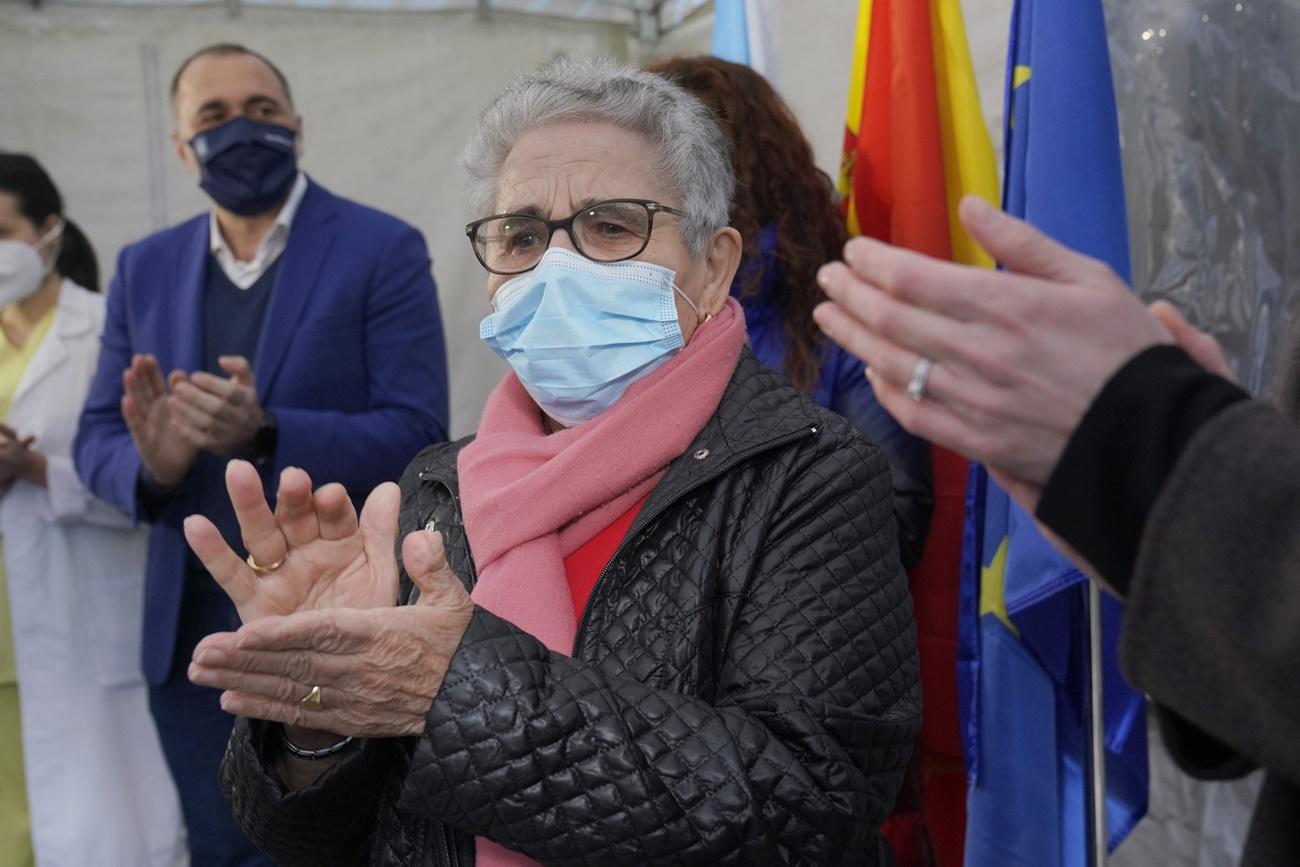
(1212, 629)
(1185, 495)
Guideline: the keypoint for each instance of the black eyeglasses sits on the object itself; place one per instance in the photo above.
(610, 231)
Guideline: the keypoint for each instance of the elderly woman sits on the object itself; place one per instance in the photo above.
(654, 611)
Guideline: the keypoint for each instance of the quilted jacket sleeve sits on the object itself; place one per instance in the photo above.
(325, 825)
(797, 756)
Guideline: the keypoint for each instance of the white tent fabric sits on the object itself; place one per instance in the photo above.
(670, 12)
(388, 100)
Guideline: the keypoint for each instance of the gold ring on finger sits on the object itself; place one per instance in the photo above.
(312, 699)
(259, 568)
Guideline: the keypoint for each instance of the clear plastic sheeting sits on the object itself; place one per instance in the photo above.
(1208, 93)
(1188, 823)
(1209, 108)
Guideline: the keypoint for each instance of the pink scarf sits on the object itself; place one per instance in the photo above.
(530, 499)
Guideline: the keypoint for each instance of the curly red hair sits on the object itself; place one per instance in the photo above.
(777, 184)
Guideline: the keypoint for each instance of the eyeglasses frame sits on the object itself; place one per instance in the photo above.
(652, 207)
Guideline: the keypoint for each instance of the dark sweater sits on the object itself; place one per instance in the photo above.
(233, 317)
(232, 325)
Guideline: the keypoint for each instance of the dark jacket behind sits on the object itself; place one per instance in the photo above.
(743, 688)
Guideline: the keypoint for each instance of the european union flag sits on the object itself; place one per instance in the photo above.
(1024, 631)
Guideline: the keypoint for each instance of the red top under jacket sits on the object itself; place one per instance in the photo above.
(583, 566)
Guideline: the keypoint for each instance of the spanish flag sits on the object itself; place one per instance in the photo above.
(915, 142)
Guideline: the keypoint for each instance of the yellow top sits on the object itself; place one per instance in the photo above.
(13, 363)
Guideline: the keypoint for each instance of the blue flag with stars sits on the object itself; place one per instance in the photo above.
(1023, 644)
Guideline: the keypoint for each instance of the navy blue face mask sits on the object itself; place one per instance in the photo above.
(248, 167)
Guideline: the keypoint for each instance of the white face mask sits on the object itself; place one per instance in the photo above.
(21, 269)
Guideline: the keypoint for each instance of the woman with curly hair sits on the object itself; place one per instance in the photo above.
(784, 207)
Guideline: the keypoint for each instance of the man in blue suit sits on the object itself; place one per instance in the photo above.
(299, 329)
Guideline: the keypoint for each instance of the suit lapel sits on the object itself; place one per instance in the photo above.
(191, 279)
(310, 237)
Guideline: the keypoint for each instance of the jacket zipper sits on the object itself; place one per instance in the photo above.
(694, 486)
(444, 838)
(446, 844)
(455, 507)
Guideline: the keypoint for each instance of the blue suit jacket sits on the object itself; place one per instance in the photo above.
(350, 360)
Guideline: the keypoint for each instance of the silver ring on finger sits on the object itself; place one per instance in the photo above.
(920, 376)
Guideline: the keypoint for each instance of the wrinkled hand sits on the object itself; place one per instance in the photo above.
(1019, 354)
(18, 460)
(167, 455)
(215, 414)
(379, 669)
(327, 558)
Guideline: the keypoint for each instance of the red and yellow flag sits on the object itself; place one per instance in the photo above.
(915, 142)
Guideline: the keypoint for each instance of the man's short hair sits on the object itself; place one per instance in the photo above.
(226, 49)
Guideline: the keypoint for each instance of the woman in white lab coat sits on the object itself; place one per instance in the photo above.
(90, 768)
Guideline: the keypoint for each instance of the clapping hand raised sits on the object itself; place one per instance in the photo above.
(311, 553)
(316, 596)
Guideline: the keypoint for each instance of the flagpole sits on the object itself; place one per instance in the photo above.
(1097, 832)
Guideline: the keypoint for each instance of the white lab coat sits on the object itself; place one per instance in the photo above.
(97, 786)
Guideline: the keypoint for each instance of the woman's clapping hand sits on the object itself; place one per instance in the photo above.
(324, 616)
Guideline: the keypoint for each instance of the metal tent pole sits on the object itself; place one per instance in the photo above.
(1096, 735)
(153, 96)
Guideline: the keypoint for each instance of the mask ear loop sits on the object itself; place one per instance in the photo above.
(698, 319)
(55, 234)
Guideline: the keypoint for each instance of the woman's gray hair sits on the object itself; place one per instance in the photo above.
(694, 154)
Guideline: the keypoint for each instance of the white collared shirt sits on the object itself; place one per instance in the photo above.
(245, 274)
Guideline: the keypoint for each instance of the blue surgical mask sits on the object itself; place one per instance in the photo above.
(247, 167)
(578, 332)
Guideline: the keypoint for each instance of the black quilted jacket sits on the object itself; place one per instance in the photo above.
(743, 688)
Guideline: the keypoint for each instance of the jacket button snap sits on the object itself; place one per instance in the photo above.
(701, 454)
